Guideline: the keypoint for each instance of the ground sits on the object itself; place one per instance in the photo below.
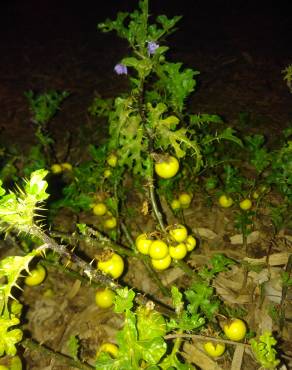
(240, 56)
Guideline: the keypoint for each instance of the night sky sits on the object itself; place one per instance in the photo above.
(258, 24)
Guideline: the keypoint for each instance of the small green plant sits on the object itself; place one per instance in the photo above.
(264, 351)
(288, 76)
(43, 108)
(244, 222)
(259, 156)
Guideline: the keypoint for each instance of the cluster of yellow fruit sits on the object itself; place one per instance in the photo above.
(100, 209)
(112, 161)
(234, 330)
(226, 201)
(183, 201)
(57, 168)
(177, 246)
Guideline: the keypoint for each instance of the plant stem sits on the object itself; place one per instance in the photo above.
(90, 272)
(87, 269)
(184, 266)
(64, 359)
(153, 274)
(284, 294)
(177, 342)
(204, 338)
(156, 211)
(101, 241)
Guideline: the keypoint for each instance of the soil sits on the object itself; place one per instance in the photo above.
(240, 50)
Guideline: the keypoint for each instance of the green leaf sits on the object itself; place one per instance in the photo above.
(178, 84)
(264, 351)
(201, 298)
(168, 23)
(226, 134)
(73, 346)
(152, 350)
(150, 324)
(15, 363)
(200, 119)
(172, 362)
(124, 300)
(177, 299)
(44, 106)
(10, 270)
(9, 338)
(36, 186)
(143, 67)
(2, 190)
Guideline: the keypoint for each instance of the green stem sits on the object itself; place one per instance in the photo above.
(70, 273)
(101, 241)
(203, 338)
(184, 266)
(155, 208)
(70, 257)
(177, 343)
(90, 272)
(153, 274)
(63, 359)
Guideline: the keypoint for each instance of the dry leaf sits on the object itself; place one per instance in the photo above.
(205, 233)
(263, 321)
(172, 275)
(196, 356)
(251, 238)
(74, 290)
(276, 259)
(237, 357)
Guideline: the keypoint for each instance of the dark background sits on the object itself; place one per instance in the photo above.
(266, 24)
(240, 48)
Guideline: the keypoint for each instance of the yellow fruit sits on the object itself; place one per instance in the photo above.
(162, 263)
(113, 266)
(110, 348)
(185, 199)
(214, 350)
(99, 209)
(107, 173)
(190, 243)
(112, 160)
(158, 249)
(235, 330)
(110, 223)
(225, 201)
(167, 168)
(66, 166)
(178, 252)
(56, 168)
(36, 276)
(104, 298)
(175, 204)
(143, 243)
(245, 204)
(179, 233)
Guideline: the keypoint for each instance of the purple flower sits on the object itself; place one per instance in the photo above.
(121, 69)
(152, 46)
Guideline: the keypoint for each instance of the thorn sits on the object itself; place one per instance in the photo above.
(67, 263)
(17, 286)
